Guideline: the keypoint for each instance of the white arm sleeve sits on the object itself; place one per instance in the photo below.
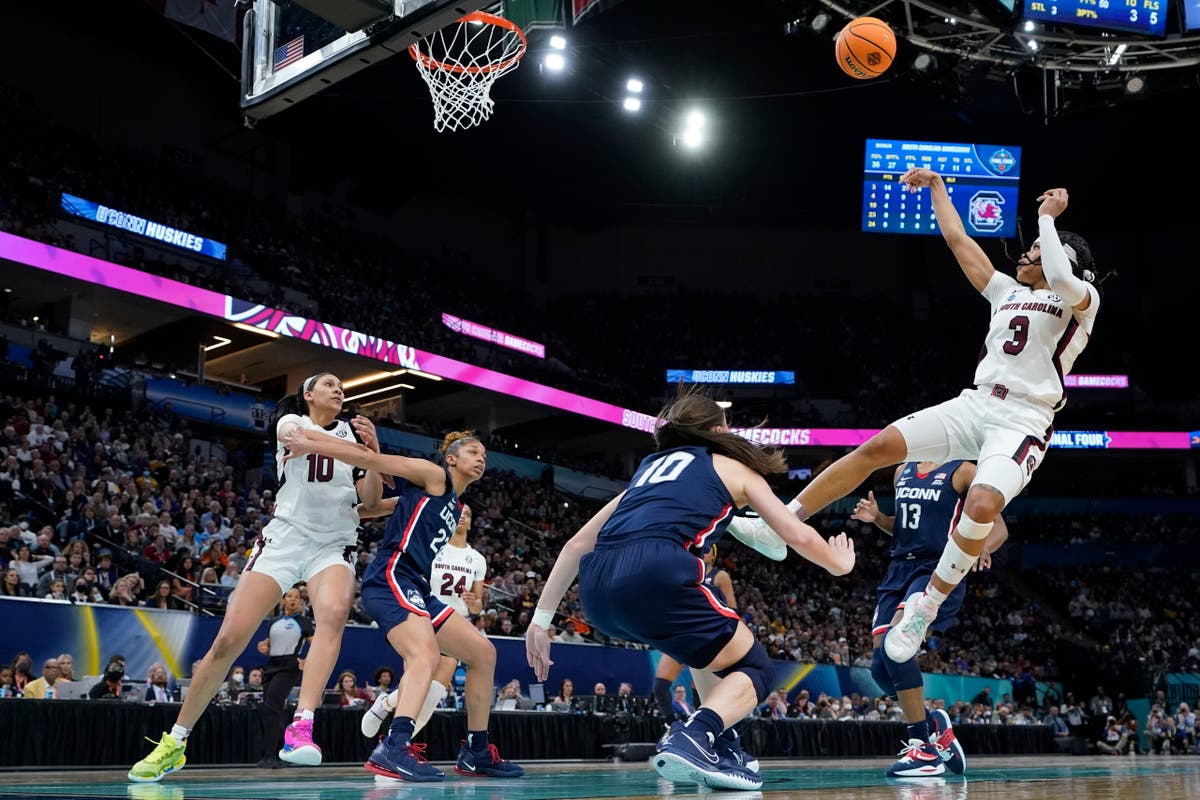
(1057, 267)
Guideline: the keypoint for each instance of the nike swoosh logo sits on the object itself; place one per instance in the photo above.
(713, 760)
(469, 767)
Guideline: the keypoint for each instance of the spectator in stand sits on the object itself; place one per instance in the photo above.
(161, 597)
(680, 706)
(385, 681)
(183, 585)
(66, 667)
(42, 688)
(106, 570)
(31, 568)
(11, 585)
(127, 590)
(984, 697)
(350, 693)
(1058, 725)
(6, 682)
(1185, 723)
(775, 706)
(1114, 740)
(58, 592)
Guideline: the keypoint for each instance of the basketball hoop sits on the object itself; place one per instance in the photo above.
(461, 62)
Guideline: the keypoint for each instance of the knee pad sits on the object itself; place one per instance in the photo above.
(906, 675)
(970, 529)
(755, 665)
(879, 671)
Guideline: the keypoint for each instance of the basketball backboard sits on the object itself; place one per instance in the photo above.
(290, 52)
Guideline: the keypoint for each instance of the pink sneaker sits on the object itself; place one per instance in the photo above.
(298, 745)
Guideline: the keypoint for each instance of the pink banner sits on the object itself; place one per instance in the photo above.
(164, 290)
(511, 341)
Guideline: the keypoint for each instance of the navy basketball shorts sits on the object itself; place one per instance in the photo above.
(393, 597)
(904, 578)
(652, 591)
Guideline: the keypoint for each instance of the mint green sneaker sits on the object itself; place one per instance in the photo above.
(166, 757)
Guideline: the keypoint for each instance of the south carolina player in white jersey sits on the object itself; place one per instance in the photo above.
(310, 539)
(1041, 321)
(457, 580)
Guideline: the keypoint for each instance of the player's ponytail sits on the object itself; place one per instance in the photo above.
(690, 421)
(291, 404)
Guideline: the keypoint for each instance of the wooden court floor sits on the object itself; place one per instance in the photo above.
(988, 778)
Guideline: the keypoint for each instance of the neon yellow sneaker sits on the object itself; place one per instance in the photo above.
(166, 757)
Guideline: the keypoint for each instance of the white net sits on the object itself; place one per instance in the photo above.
(461, 62)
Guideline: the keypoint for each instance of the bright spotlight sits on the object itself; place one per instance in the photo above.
(558, 42)
(924, 62)
(632, 104)
(1135, 85)
(1029, 26)
(555, 62)
(820, 22)
(1033, 45)
(634, 85)
(695, 120)
(692, 138)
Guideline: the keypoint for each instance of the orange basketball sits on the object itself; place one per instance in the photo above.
(865, 48)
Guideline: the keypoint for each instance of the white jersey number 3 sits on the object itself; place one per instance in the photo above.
(667, 468)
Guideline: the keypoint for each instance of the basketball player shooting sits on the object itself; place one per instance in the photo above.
(1041, 321)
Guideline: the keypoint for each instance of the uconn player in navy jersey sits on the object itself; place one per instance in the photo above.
(310, 537)
(397, 594)
(1040, 322)
(639, 581)
(929, 502)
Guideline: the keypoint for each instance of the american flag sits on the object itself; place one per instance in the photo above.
(286, 54)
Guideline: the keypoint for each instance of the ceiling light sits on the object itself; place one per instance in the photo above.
(1029, 26)
(1135, 85)
(634, 85)
(555, 62)
(695, 120)
(418, 373)
(558, 42)
(379, 391)
(1116, 54)
(924, 62)
(692, 138)
(632, 104)
(370, 377)
(221, 342)
(724, 404)
(260, 331)
(820, 22)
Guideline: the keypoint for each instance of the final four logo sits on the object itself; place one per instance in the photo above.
(986, 211)
(1002, 161)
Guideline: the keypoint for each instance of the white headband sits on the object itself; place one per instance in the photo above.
(308, 384)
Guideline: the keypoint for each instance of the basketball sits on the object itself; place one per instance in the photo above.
(865, 48)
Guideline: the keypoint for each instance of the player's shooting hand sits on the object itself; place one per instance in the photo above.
(918, 178)
(1053, 202)
(537, 651)
(842, 550)
(984, 563)
(866, 509)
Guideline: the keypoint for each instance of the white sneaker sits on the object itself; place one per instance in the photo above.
(380, 710)
(904, 640)
(756, 533)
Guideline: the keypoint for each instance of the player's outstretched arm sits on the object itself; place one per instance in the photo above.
(417, 471)
(970, 256)
(562, 575)
(1056, 266)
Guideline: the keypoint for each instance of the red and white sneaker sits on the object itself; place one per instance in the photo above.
(917, 760)
(947, 744)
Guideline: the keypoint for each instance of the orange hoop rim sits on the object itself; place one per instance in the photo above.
(487, 19)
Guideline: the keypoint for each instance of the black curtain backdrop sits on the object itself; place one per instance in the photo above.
(79, 733)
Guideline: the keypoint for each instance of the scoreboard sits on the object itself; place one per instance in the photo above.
(1147, 17)
(982, 180)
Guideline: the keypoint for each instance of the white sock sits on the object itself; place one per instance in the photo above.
(306, 714)
(180, 733)
(936, 594)
(436, 692)
(953, 566)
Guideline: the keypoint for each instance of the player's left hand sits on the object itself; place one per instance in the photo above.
(866, 509)
(1053, 202)
(468, 597)
(984, 563)
(537, 651)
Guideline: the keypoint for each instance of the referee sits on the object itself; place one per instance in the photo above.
(287, 635)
